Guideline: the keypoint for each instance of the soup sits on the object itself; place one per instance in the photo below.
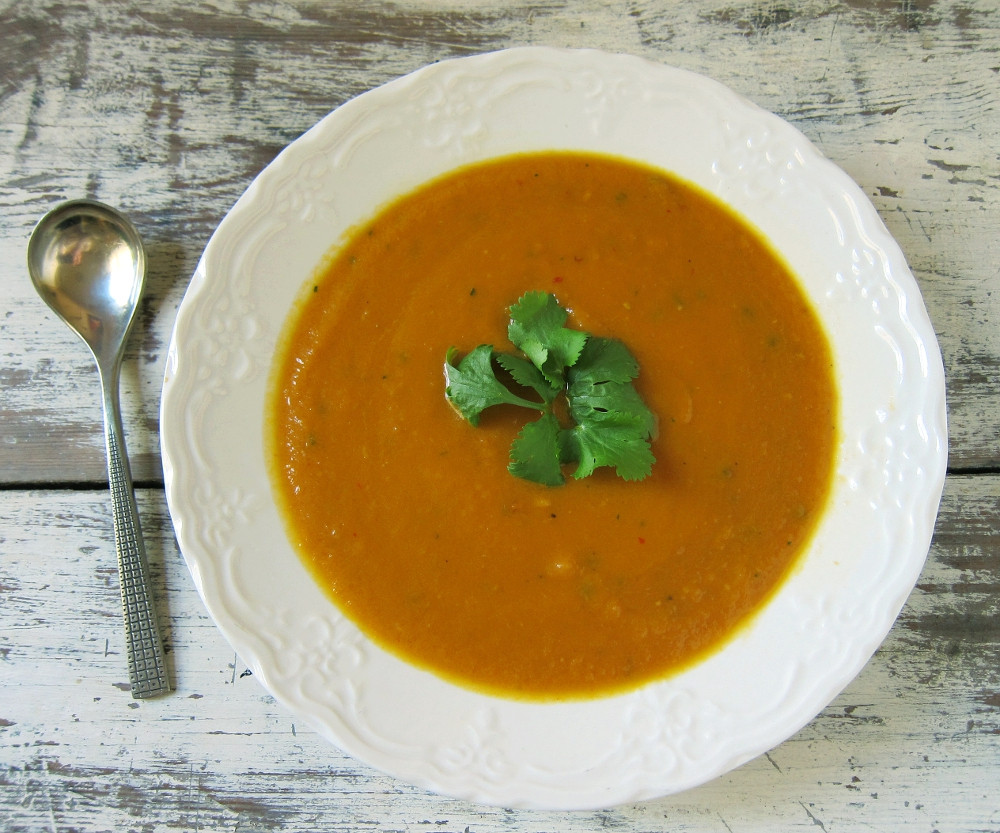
(406, 515)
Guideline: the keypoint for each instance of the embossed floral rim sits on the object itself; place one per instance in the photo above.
(799, 652)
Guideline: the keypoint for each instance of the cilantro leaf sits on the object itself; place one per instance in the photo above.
(472, 385)
(613, 424)
(610, 424)
(597, 395)
(526, 374)
(536, 329)
(604, 360)
(607, 442)
(611, 404)
(534, 455)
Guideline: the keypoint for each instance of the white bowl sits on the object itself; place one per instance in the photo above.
(777, 674)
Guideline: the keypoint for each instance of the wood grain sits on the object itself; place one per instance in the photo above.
(168, 110)
(911, 744)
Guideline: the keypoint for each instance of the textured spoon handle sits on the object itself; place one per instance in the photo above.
(146, 667)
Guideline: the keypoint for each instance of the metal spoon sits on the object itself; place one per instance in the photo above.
(87, 261)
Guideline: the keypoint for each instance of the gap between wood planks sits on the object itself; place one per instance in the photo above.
(73, 485)
(102, 485)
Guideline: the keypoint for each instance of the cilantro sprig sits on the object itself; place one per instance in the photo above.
(606, 423)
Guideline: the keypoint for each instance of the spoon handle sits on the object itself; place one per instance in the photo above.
(146, 667)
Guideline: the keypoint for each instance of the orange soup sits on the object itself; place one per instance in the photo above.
(407, 516)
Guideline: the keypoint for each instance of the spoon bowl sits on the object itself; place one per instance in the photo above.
(87, 262)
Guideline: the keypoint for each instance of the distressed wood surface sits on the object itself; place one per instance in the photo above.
(168, 110)
(912, 744)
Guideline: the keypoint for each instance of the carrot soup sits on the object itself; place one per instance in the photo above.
(407, 516)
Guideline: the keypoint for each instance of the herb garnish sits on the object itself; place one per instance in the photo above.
(608, 423)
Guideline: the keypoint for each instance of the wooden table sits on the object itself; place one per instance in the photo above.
(169, 109)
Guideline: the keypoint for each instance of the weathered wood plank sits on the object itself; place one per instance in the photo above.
(169, 110)
(911, 744)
